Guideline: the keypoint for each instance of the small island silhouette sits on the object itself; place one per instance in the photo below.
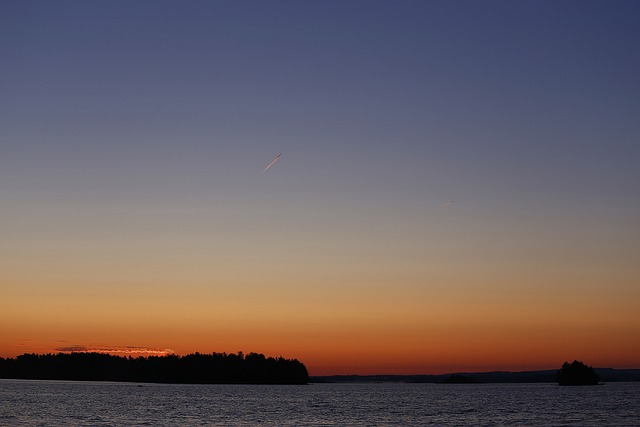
(196, 368)
(577, 373)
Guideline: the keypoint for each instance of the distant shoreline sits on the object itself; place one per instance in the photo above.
(541, 376)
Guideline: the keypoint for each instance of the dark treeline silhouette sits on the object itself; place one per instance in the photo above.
(577, 373)
(459, 379)
(215, 368)
(546, 376)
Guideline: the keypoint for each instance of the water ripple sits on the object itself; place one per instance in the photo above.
(35, 403)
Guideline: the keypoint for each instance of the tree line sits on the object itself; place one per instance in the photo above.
(196, 368)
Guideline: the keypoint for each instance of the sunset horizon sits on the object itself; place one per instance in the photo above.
(369, 187)
(358, 363)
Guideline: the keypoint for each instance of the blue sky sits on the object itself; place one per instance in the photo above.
(139, 130)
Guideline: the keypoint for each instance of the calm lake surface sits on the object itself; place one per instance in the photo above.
(39, 403)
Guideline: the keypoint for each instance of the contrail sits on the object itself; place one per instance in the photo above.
(446, 205)
(273, 162)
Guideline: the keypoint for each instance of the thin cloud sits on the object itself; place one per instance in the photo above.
(114, 350)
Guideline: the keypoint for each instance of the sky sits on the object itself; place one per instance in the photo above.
(458, 186)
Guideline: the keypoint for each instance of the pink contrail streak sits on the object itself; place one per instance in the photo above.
(273, 162)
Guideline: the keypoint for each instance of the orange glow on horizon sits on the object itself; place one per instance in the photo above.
(457, 323)
(367, 347)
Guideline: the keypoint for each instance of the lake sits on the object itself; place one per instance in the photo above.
(37, 403)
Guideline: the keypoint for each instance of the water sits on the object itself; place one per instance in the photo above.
(40, 403)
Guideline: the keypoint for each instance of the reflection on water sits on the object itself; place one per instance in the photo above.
(33, 403)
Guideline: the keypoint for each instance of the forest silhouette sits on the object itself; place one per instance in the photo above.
(196, 368)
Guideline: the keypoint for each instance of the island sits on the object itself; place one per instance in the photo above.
(577, 373)
(196, 368)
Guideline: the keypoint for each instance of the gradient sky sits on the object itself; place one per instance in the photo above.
(135, 216)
